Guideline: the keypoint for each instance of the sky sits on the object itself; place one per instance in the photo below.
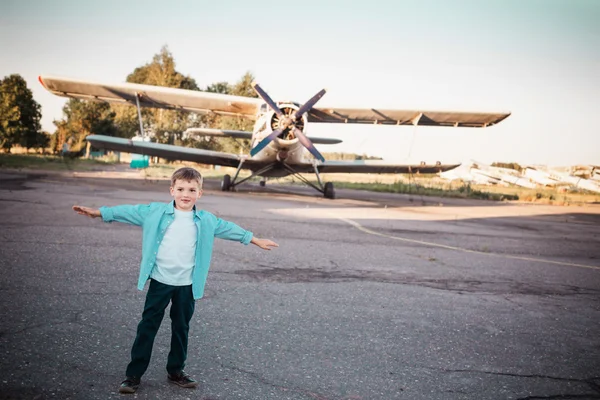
(537, 59)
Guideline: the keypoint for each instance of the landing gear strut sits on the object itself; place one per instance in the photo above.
(326, 189)
(229, 183)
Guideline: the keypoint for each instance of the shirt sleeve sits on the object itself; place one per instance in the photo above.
(127, 214)
(230, 231)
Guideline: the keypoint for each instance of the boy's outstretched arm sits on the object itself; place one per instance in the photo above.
(90, 212)
(127, 214)
(264, 244)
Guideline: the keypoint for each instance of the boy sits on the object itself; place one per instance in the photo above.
(176, 251)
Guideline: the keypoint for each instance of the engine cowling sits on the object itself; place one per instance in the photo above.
(285, 124)
(275, 122)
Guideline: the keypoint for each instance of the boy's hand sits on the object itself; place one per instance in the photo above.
(264, 244)
(90, 212)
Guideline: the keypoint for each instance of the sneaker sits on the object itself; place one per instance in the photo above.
(182, 379)
(129, 385)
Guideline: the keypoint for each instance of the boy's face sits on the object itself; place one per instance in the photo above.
(185, 194)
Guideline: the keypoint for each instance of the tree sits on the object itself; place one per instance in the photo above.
(161, 72)
(243, 87)
(167, 126)
(20, 114)
(42, 140)
(219, 87)
(81, 119)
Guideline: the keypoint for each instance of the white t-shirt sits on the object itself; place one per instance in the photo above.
(177, 252)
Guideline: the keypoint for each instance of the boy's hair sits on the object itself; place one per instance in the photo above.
(186, 174)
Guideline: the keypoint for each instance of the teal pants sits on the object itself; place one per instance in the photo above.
(182, 308)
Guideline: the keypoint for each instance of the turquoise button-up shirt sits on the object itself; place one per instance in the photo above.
(154, 218)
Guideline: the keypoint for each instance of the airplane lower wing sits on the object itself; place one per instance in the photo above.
(202, 156)
(168, 151)
(218, 133)
(378, 167)
(248, 135)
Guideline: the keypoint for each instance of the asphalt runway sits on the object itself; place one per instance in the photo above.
(370, 296)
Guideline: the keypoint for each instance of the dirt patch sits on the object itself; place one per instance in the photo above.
(319, 275)
(17, 182)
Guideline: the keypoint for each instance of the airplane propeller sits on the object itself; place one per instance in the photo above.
(267, 99)
(288, 122)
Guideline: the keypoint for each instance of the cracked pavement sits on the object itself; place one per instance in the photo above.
(414, 298)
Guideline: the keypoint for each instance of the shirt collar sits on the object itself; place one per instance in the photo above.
(197, 211)
(171, 209)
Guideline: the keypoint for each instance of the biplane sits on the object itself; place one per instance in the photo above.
(280, 145)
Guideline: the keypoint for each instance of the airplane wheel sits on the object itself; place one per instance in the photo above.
(329, 192)
(263, 183)
(226, 183)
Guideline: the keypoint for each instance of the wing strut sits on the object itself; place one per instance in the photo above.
(139, 110)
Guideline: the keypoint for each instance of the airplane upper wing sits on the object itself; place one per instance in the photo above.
(153, 96)
(205, 102)
(404, 117)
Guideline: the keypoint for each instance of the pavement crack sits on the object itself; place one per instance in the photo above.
(590, 382)
(20, 201)
(326, 274)
(560, 396)
(533, 376)
(283, 388)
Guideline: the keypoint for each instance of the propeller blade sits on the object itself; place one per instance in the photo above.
(308, 144)
(263, 143)
(267, 99)
(309, 104)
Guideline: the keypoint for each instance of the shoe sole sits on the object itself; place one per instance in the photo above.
(127, 390)
(185, 385)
